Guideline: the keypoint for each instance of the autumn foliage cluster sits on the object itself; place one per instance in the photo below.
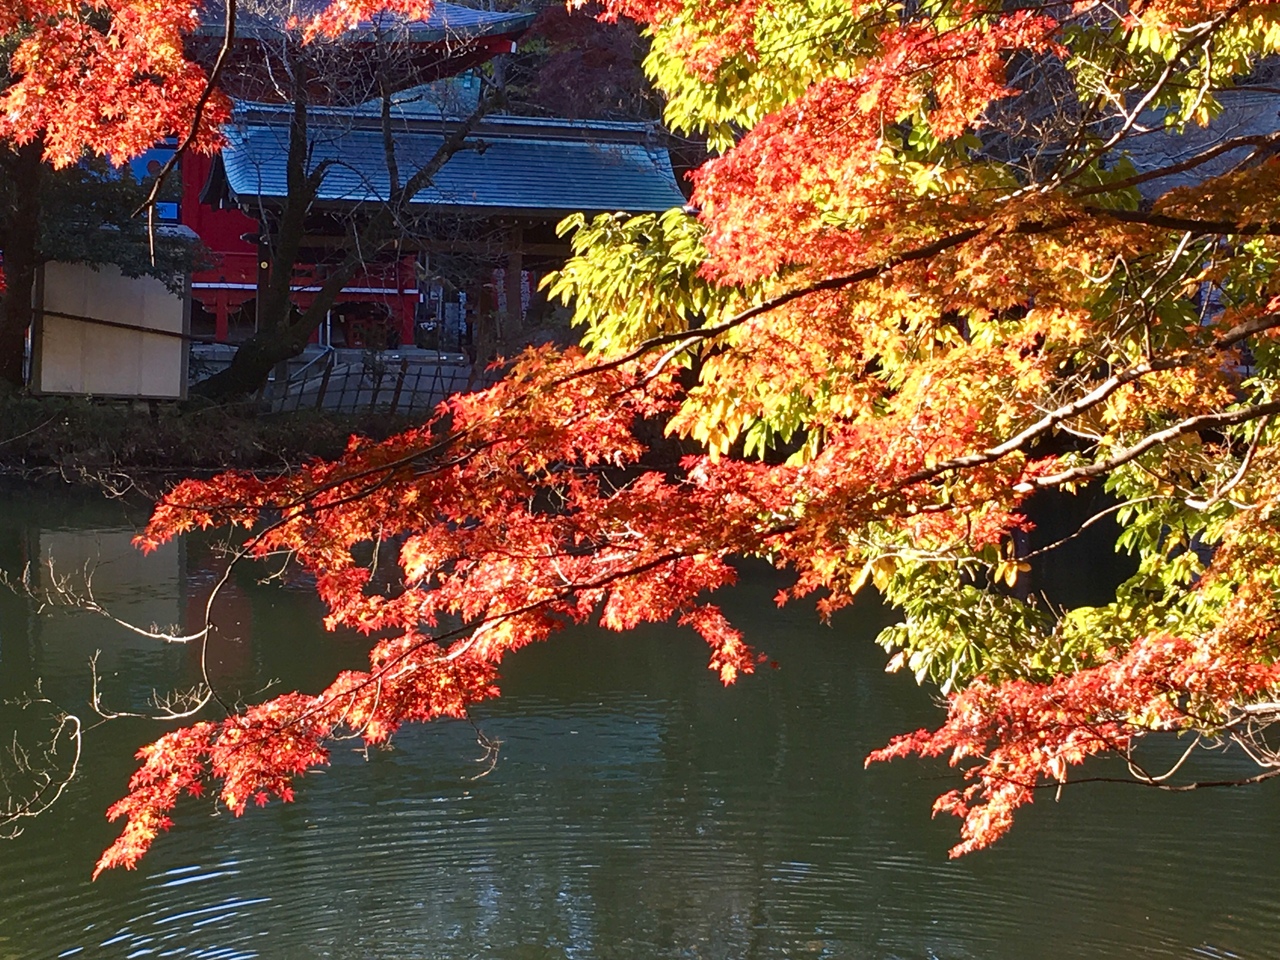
(930, 272)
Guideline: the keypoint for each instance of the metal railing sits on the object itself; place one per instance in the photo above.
(326, 354)
(396, 385)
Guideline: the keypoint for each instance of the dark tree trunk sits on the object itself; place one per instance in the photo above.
(21, 239)
(253, 362)
(283, 332)
(278, 339)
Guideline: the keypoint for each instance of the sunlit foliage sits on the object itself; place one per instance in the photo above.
(921, 281)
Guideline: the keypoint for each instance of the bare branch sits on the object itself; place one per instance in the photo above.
(43, 780)
(1208, 421)
(197, 117)
(63, 592)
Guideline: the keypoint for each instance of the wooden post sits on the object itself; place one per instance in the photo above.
(395, 397)
(220, 309)
(264, 277)
(513, 321)
(324, 383)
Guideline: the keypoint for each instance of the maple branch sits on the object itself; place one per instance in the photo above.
(1142, 773)
(1139, 781)
(681, 340)
(689, 337)
(1203, 34)
(197, 117)
(378, 675)
(1193, 226)
(684, 339)
(1221, 494)
(1096, 518)
(1261, 142)
(1097, 395)
(1208, 421)
(1158, 785)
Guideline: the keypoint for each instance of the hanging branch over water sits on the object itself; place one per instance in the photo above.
(916, 284)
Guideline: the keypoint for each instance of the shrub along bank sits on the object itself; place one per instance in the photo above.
(93, 441)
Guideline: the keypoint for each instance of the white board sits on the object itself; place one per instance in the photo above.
(92, 334)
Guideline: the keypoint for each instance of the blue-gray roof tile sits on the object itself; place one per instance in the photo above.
(516, 171)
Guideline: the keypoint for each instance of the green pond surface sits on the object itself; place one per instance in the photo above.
(637, 809)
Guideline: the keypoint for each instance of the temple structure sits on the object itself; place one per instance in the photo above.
(482, 231)
(486, 234)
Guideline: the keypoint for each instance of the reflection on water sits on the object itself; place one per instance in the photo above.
(637, 810)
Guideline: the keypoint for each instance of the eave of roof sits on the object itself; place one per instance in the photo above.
(448, 21)
(542, 172)
(367, 116)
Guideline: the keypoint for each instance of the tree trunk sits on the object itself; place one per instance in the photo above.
(283, 333)
(253, 362)
(21, 256)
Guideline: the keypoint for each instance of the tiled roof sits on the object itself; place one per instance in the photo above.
(1245, 113)
(509, 165)
(446, 21)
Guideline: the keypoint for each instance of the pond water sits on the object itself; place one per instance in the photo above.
(637, 808)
